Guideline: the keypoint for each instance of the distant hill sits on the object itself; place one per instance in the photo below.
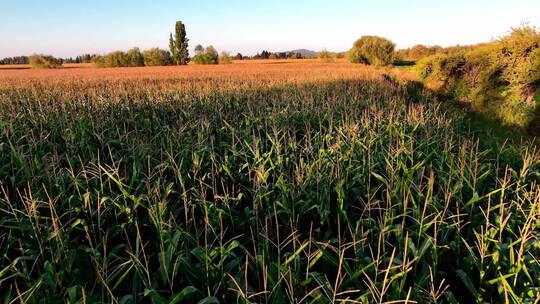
(304, 52)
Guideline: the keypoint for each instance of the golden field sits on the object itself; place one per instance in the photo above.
(260, 71)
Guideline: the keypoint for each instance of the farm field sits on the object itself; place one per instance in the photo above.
(251, 71)
(276, 181)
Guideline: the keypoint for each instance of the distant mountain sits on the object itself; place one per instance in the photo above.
(304, 52)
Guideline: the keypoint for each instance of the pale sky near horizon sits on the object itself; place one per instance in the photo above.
(72, 27)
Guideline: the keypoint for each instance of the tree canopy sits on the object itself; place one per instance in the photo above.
(179, 45)
(372, 50)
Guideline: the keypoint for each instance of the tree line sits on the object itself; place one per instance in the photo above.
(177, 54)
(15, 60)
(86, 58)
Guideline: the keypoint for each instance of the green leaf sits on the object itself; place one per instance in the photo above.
(297, 253)
(184, 293)
(154, 296)
(467, 281)
(209, 300)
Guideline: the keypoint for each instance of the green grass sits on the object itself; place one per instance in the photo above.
(308, 193)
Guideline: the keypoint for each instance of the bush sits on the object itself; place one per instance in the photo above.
(325, 56)
(135, 57)
(520, 56)
(469, 76)
(449, 67)
(513, 114)
(44, 62)
(208, 56)
(157, 57)
(225, 58)
(101, 61)
(114, 59)
(500, 77)
(481, 72)
(372, 50)
(418, 52)
(117, 59)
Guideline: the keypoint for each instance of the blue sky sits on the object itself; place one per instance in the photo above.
(72, 27)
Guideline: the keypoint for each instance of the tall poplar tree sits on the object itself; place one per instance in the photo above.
(179, 45)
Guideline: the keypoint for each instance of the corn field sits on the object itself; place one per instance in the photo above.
(259, 189)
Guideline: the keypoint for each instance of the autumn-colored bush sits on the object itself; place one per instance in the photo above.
(44, 62)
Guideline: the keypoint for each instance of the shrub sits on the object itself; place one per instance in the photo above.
(44, 62)
(424, 67)
(200, 59)
(102, 61)
(418, 52)
(135, 57)
(117, 59)
(208, 56)
(212, 55)
(325, 56)
(99, 61)
(372, 50)
(480, 72)
(157, 57)
(520, 57)
(513, 114)
(500, 77)
(114, 59)
(225, 58)
(449, 67)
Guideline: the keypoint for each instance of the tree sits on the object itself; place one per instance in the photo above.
(179, 45)
(116, 59)
(15, 60)
(212, 55)
(208, 56)
(135, 58)
(199, 49)
(265, 54)
(157, 57)
(239, 57)
(372, 50)
(293, 55)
